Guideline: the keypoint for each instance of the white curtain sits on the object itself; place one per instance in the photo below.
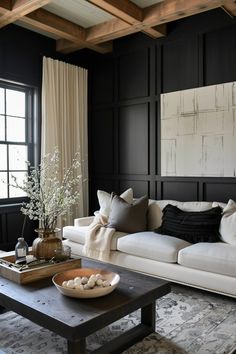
(64, 121)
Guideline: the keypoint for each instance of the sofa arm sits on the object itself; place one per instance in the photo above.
(86, 221)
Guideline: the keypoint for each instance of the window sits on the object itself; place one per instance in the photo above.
(16, 135)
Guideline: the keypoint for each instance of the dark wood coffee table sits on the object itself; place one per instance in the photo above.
(75, 319)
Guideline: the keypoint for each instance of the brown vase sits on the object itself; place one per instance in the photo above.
(45, 245)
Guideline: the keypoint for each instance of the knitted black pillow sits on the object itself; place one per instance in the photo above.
(191, 226)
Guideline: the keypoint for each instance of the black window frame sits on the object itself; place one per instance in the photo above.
(32, 131)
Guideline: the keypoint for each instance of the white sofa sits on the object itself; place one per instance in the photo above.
(209, 266)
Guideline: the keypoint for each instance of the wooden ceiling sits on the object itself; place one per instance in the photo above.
(123, 17)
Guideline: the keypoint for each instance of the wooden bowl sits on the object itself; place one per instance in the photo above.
(113, 279)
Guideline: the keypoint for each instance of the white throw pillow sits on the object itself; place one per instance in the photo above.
(105, 198)
(228, 223)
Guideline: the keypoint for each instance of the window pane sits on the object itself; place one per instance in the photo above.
(15, 129)
(20, 177)
(3, 185)
(2, 110)
(18, 156)
(15, 103)
(3, 157)
(2, 128)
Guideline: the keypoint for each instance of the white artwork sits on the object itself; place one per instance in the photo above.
(198, 132)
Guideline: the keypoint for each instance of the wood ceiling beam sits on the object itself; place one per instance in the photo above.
(56, 25)
(123, 9)
(171, 10)
(154, 15)
(5, 6)
(229, 6)
(128, 12)
(66, 47)
(18, 9)
(109, 30)
(63, 28)
(156, 32)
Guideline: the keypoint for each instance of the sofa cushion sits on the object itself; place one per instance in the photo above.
(156, 206)
(191, 226)
(105, 199)
(210, 257)
(152, 246)
(78, 235)
(220, 204)
(228, 223)
(127, 217)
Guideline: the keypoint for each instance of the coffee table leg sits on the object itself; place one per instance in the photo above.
(77, 347)
(148, 315)
(126, 339)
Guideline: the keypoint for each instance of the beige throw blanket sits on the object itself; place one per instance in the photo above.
(98, 240)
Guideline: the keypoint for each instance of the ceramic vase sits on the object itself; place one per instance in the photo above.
(45, 245)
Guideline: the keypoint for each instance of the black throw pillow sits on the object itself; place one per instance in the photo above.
(191, 226)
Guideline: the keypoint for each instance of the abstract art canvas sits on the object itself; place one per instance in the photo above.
(198, 132)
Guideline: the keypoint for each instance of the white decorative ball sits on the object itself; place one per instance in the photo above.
(106, 283)
(93, 277)
(77, 280)
(91, 283)
(99, 282)
(84, 280)
(70, 284)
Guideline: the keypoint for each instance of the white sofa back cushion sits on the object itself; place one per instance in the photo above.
(156, 206)
(228, 223)
(105, 199)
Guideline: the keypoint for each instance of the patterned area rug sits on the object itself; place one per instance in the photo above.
(188, 321)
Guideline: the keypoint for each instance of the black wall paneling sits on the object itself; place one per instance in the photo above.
(220, 56)
(180, 64)
(134, 139)
(103, 82)
(133, 75)
(140, 188)
(102, 141)
(11, 223)
(220, 191)
(185, 191)
(197, 51)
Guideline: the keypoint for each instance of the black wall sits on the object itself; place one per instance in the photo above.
(125, 115)
(21, 53)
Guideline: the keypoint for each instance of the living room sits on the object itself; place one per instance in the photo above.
(195, 49)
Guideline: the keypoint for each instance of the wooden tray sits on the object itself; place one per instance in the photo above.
(29, 275)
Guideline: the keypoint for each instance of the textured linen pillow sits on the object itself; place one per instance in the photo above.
(105, 199)
(228, 223)
(126, 217)
(191, 226)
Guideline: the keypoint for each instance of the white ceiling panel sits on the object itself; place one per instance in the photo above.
(80, 12)
(146, 3)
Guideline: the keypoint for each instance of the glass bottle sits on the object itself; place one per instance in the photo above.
(21, 249)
